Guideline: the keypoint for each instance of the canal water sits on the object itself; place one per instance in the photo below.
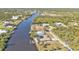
(20, 40)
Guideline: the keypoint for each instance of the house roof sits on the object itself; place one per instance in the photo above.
(2, 31)
(37, 27)
(15, 17)
(40, 33)
(9, 25)
(58, 24)
(45, 24)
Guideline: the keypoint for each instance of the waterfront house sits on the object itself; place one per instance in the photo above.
(40, 33)
(42, 36)
(9, 25)
(3, 31)
(7, 22)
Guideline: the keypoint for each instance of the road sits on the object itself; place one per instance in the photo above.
(59, 40)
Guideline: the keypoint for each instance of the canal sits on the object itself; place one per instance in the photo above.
(20, 40)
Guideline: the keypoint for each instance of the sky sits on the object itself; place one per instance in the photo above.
(39, 3)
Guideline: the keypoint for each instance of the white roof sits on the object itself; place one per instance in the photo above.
(15, 17)
(58, 24)
(45, 24)
(40, 33)
(2, 31)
